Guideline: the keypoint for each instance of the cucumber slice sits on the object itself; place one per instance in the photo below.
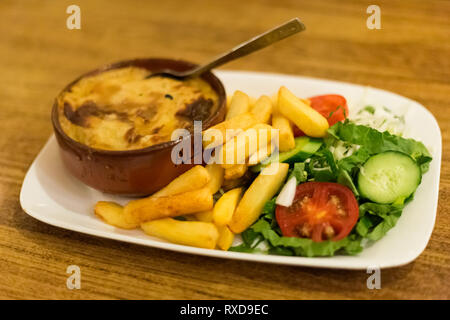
(389, 176)
(304, 148)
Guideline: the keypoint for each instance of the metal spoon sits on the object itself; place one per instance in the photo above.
(261, 41)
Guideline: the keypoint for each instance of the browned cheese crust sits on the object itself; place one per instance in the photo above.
(122, 110)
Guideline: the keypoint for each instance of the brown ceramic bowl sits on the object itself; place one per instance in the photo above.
(130, 172)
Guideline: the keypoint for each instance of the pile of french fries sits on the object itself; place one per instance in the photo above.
(185, 212)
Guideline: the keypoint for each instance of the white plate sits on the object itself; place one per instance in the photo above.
(50, 194)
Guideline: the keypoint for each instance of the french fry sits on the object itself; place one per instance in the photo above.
(205, 216)
(236, 171)
(225, 206)
(239, 104)
(153, 208)
(190, 233)
(262, 109)
(236, 151)
(306, 101)
(263, 188)
(311, 122)
(262, 154)
(286, 134)
(112, 213)
(193, 179)
(226, 238)
(274, 99)
(216, 177)
(217, 135)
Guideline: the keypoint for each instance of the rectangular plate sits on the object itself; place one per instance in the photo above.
(50, 194)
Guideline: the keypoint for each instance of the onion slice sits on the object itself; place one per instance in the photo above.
(287, 194)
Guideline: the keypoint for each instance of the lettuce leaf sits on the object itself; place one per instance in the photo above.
(267, 230)
(352, 163)
(306, 247)
(268, 210)
(322, 166)
(377, 219)
(373, 142)
(298, 171)
(345, 179)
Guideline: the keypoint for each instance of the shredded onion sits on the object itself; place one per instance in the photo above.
(287, 194)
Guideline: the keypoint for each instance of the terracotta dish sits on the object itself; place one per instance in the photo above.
(134, 171)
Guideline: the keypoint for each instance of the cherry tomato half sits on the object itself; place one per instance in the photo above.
(320, 211)
(327, 104)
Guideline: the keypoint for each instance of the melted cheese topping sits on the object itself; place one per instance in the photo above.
(121, 110)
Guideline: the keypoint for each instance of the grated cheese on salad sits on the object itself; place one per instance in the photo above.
(380, 118)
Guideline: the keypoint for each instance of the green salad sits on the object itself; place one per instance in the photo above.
(380, 169)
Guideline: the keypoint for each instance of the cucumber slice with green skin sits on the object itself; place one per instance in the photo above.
(304, 148)
(389, 176)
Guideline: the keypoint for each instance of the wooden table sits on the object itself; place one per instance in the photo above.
(39, 55)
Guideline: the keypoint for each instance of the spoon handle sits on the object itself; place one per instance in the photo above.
(261, 41)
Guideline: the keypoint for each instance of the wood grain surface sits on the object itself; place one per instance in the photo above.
(39, 55)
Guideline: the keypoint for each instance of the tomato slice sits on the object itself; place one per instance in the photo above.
(320, 211)
(328, 104)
